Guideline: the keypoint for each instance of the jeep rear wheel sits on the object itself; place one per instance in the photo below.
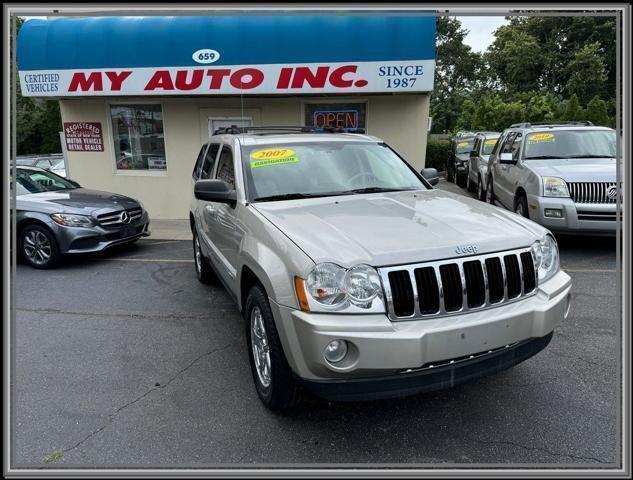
(490, 193)
(275, 383)
(204, 271)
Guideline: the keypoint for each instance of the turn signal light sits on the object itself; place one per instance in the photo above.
(302, 296)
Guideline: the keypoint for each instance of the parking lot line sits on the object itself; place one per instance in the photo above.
(151, 260)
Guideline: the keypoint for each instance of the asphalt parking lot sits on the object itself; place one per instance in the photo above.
(125, 360)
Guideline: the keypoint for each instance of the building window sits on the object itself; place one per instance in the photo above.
(139, 139)
(339, 115)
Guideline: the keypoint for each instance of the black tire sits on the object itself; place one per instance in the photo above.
(470, 186)
(35, 243)
(490, 193)
(481, 191)
(460, 180)
(449, 174)
(521, 206)
(204, 271)
(283, 391)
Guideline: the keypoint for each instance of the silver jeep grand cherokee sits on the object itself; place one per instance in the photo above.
(356, 278)
(560, 175)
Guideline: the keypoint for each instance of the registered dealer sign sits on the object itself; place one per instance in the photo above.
(83, 136)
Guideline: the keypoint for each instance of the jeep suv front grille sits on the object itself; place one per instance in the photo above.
(592, 192)
(458, 285)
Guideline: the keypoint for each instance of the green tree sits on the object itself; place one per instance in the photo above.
(597, 112)
(458, 71)
(586, 74)
(573, 110)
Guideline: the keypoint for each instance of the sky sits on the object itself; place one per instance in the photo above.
(481, 30)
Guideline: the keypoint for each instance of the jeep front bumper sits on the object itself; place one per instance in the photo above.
(387, 359)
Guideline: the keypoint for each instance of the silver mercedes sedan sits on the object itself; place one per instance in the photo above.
(55, 216)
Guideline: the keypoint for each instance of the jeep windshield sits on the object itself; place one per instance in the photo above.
(318, 169)
(556, 144)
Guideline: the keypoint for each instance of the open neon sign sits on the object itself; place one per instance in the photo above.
(347, 119)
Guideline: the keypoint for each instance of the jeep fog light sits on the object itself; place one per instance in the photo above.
(335, 351)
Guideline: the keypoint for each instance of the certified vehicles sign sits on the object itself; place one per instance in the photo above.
(226, 55)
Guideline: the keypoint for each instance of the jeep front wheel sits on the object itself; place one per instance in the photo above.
(274, 380)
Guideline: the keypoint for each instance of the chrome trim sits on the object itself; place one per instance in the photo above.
(114, 218)
(384, 276)
(591, 193)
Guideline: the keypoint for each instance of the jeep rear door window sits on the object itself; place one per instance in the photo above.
(324, 168)
(225, 167)
(570, 144)
(209, 162)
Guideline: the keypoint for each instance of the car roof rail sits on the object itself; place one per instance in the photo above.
(586, 123)
(235, 130)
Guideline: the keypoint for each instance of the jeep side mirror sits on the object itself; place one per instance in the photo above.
(430, 175)
(507, 158)
(214, 191)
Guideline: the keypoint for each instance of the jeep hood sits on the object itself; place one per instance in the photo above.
(576, 169)
(397, 227)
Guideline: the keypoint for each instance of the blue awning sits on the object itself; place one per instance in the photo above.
(82, 44)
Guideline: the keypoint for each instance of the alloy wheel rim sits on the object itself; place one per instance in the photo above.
(198, 255)
(260, 347)
(37, 247)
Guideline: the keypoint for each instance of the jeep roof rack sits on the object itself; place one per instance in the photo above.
(235, 130)
(586, 123)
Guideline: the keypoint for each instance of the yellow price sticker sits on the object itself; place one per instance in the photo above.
(272, 153)
(541, 138)
(267, 162)
(462, 144)
(491, 142)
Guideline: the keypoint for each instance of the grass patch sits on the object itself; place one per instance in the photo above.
(54, 456)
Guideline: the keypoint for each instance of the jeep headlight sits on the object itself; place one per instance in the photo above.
(69, 220)
(546, 259)
(330, 287)
(555, 187)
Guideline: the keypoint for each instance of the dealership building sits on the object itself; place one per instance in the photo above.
(140, 95)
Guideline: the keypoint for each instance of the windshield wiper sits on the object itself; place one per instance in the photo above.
(591, 156)
(295, 196)
(544, 157)
(380, 189)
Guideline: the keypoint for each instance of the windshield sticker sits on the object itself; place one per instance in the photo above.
(272, 153)
(273, 161)
(491, 142)
(462, 144)
(541, 138)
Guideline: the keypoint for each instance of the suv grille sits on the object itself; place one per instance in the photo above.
(592, 192)
(458, 285)
(113, 219)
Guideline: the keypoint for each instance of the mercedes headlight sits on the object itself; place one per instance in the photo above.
(555, 187)
(330, 287)
(546, 259)
(69, 220)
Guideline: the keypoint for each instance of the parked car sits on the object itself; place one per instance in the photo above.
(457, 160)
(59, 168)
(41, 161)
(561, 175)
(56, 217)
(355, 277)
(477, 170)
